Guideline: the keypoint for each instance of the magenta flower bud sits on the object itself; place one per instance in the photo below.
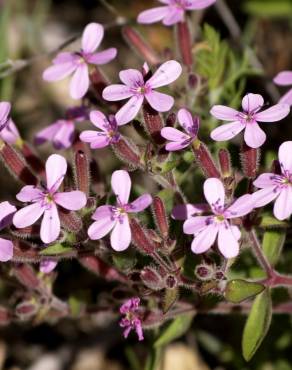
(160, 216)
(185, 43)
(225, 162)
(205, 160)
(82, 172)
(250, 159)
(152, 279)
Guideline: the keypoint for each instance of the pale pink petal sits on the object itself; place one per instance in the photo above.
(199, 4)
(129, 111)
(194, 225)
(6, 214)
(91, 37)
(174, 146)
(28, 215)
(254, 136)
(66, 57)
(64, 137)
(121, 235)
(165, 1)
(185, 211)
(159, 101)
(72, 200)
(285, 157)
(153, 15)
(265, 180)
(10, 133)
(228, 241)
(214, 192)
(47, 266)
(56, 168)
(286, 98)
(102, 212)
(100, 228)
(80, 82)
(189, 123)
(252, 102)
(117, 92)
(173, 134)
(241, 207)
(273, 114)
(224, 113)
(140, 203)
(121, 186)
(283, 204)
(283, 78)
(29, 193)
(165, 74)
(5, 108)
(131, 77)
(205, 239)
(57, 72)
(174, 16)
(6, 250)
(265, 196)
(98, 119)
(102, 57)
(50, 226)
(227, 131)
(96, 139)
(48, 133)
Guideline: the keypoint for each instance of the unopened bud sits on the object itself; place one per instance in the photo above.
(250, 158)
(225, 162)
(193, 80)
(70, 220)
(141, 238)
(82, 172)
(160, 216)
(153, 123)
(204, 272)
(185, 43)
(152, 279)
(171, 281)
(204, 159)
(26, 310)
(128, 152)
(26, 276)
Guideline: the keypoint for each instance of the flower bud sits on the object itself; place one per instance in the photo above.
(70, 220)
(82, 172)
(140, 237)
(185, 43)
(225, 162)
(250, 159)
(153, 124)
(26, 276)
(160, 216)
(204, 272)
(127, 152)
(26, 309)
(204, 159)
(152, 279)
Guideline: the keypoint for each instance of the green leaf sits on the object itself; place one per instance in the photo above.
(257, 324)
(174, 330)
(271, 9)
(273, 242)
(239, 290)
(270, 222)
(54, 249)
(124, 261)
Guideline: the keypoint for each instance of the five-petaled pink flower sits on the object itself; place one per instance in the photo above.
(180, 140)
(6, 246)
(131, 321)
(247, 120)
(136, 88)
(172, 12)
(277, 186)
(5, 108)
(107, 133)
(62, 132)
(206, 228)
(45, 200)
(116, 218)
(66, 63)
(284, 78)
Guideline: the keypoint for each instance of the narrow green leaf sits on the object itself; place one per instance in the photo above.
(270, 222)
(257, 324)
(56, 249)
(273, 242)
(174, 330)
(239, 290)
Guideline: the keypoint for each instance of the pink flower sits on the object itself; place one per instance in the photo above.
(173, 12)
(254, 136)
(68, 62)
(62, 132)
(206, 228)
(284, 79)
(6, 246)
(47, 265)
(180, 140)
(116, 218)
(5, 108)
(10, 133)
(137, 89)
(107, 133)
(131, 321)
(45, 200)
(277, 186)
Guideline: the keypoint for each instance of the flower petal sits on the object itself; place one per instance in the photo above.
(283, 78)
(91, 37)
(175, 145)
(48, 133)
(102, 57)
(50, 226)
(193, 225)
(199, 4)
(47, 266)
(56, 168)
(254, 136)
(159, 101)
(100, 228)
(265, 180)
(265, 196)
(121, 185)
(64, 137)
(252, 102)
(228, 240)
(153, 15)
(99, 120)
(189, 123)
(28, 215)
(72, 200)
(205, 239)
(174, 16)
(129, 111)
(6, 250)
(121, 235)
(227, 131)
(224, 113)
(6, 214)
(29, 193)
(286, 98)
(140, 203)
(59, 71)
(185, 211)
(214, 192)
(273, 114)
(116, 92)
(96, 139)
(10, 133)
(102, 212)
(285, 157)
(165, 74)
(241, 207)
(131, 77)
(80, 82)
(5, 108)
(283, 204)
(173, 134)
